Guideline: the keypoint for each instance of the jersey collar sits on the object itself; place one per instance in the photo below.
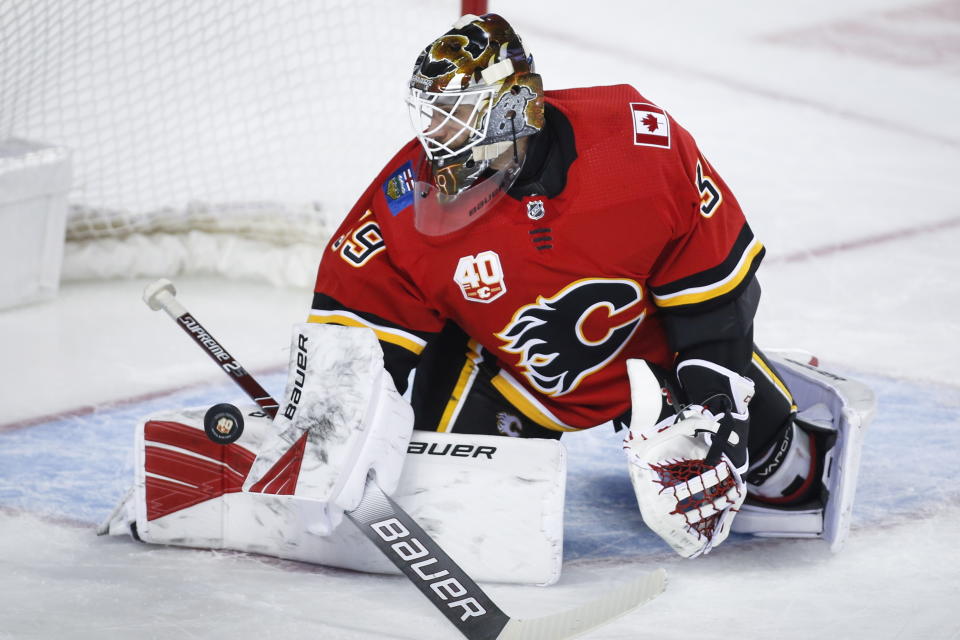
(549, 157)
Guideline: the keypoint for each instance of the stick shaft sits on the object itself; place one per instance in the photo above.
(438, 577)
(229, 364)
(381, 519)
(192, 327)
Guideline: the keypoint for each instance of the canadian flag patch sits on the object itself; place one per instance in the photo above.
(651, 127)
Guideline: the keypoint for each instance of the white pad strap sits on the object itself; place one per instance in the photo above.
(490, 151)
(340, 418)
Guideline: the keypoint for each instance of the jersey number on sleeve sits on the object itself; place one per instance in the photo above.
(362, 244)
(710, 197)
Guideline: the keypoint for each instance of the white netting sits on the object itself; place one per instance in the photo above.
(257, 119)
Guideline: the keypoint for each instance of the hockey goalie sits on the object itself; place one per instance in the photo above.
(538, 263)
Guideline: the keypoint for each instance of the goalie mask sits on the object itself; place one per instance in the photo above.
(472, 96)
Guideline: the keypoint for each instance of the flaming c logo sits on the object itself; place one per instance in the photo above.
(564, 338)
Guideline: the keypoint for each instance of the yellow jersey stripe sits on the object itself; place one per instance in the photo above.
(462, 389)
(694, 295)
(402, 339)
(775, 379)
(527, 404)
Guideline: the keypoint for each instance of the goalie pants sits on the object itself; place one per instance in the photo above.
(453, 392)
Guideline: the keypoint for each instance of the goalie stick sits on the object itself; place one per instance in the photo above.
(162, 295)
(411, 549)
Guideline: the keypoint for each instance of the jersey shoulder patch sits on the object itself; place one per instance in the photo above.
(398, 188)
(651, 126)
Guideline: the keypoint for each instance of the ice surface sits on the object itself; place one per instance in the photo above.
(834, 123)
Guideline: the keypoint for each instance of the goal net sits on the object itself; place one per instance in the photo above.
(226, 137)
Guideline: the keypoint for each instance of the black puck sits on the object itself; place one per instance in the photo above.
(223, 423)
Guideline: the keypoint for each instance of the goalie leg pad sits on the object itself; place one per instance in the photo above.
(340, 418)
(837, 411)
(187, 493)
(785, 473)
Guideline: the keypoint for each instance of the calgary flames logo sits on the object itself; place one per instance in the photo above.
(563, 339)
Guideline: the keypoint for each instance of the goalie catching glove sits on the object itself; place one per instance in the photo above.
(687, 470)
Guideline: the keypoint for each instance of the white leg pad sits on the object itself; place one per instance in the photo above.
(494, 504)
(830, 403)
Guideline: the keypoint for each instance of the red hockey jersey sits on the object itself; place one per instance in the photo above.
(561, 290)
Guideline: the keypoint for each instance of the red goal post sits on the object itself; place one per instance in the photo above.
(208, 136)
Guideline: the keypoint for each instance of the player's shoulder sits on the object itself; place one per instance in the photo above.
(619, 116)
(594, 96)
(598, 102)
(386, 197)
(391, 191)
(389, 201)
(394, 187)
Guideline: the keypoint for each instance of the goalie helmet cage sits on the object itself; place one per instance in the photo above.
(223, 137)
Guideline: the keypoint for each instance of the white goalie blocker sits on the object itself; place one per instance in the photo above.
(839, 409)
(340, 419)
(494, 504)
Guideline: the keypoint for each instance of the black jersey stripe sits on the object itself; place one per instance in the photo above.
(719, 283)
(328, 310)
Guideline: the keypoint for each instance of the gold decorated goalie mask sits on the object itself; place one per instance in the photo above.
(472, 96)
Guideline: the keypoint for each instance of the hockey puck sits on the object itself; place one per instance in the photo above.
(223, 423)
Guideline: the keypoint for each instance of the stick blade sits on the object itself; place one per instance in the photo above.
(588, 616)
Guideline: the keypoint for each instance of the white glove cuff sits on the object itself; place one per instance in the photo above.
(741, 388)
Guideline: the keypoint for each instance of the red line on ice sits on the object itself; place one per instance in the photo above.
(111, 404)
(868, 241)
(89, 409)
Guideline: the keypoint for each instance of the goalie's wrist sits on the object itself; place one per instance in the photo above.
(702, 381)
(707, 410)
